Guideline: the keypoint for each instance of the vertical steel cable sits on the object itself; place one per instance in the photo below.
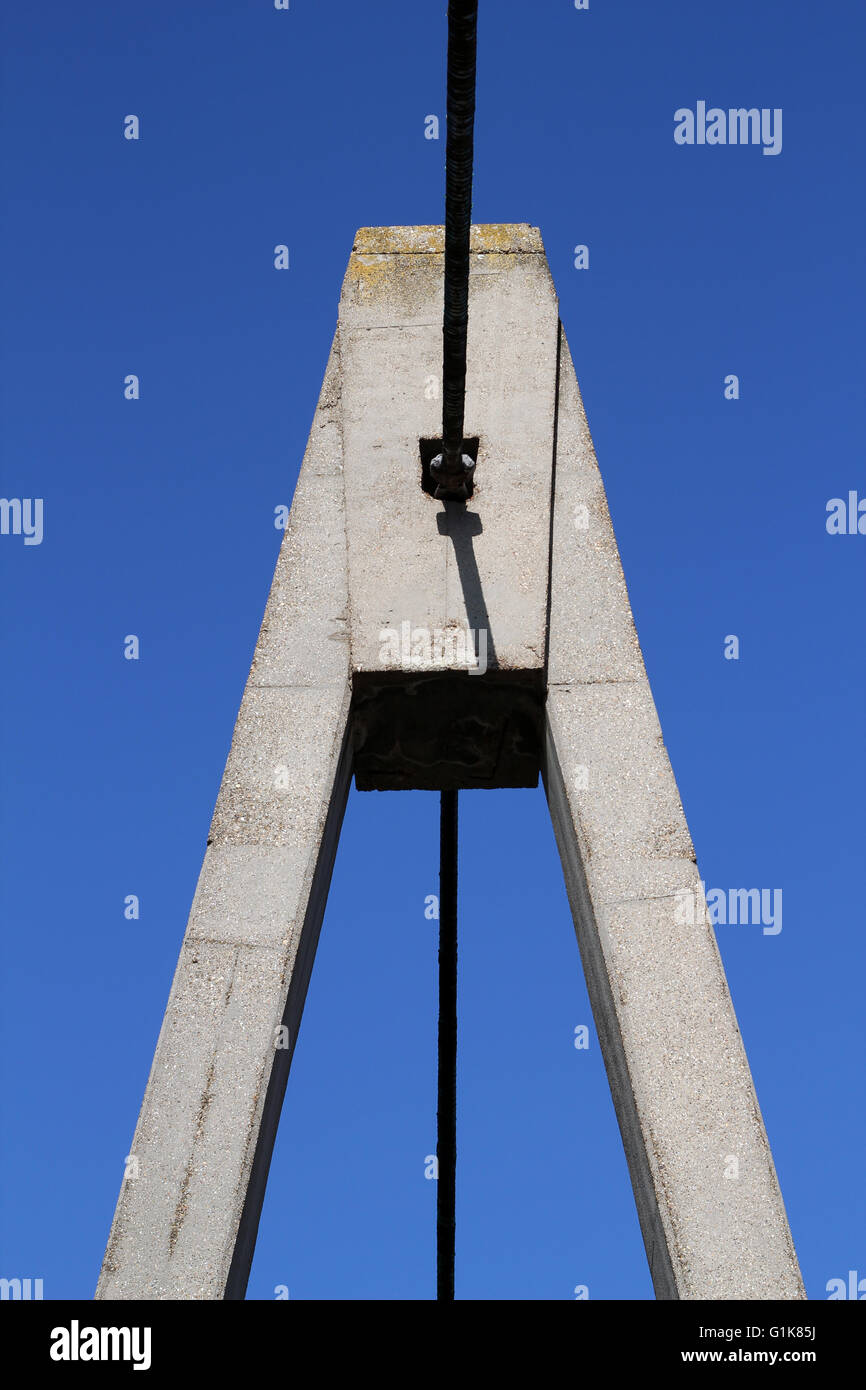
(449, 468)
(453, 474)
(446, 1142)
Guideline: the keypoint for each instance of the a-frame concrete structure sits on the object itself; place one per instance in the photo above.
(363, 665)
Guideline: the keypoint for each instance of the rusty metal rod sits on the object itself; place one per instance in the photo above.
(450, 469)
(446, 1116)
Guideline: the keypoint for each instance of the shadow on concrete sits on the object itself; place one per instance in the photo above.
(461, 525)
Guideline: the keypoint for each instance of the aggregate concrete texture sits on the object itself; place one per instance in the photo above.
(711, 1212)
(188, 1211)
(404, 564)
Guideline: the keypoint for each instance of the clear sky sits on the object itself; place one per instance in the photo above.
(156, 257)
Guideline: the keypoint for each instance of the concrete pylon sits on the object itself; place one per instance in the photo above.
(421, 645)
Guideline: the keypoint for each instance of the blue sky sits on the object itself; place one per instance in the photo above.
(155, 257)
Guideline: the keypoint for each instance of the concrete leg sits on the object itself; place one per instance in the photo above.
(188, 1212)
(710, 1208)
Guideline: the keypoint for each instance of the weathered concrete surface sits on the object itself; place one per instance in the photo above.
(418, 568)
(406, 553)
(678, 1072)
(186, 1219)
